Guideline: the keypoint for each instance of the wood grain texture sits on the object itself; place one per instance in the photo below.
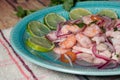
(7, 15)
(8, 9)
(44, 2)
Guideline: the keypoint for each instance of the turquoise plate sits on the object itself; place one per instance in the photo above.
(47, 59)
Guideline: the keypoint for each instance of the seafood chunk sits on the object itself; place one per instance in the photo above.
(92, 30)
(69, 42)
(86, 57)
(87, 19)
(83, 40)
(59, 50)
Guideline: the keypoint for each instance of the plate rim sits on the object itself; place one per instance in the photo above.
(50, 66)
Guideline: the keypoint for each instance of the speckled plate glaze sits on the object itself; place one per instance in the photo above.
(47, 59)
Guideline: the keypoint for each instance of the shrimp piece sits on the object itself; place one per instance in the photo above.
(92, 30)
(83, 40)
(87, 19)
(73, 28)
(59, 50)
(69, 42)
(81, 49)
(86, 57)
(70, 28)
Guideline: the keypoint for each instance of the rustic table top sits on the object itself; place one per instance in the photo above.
(8, 9)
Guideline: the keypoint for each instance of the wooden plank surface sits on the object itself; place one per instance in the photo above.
(8, 9)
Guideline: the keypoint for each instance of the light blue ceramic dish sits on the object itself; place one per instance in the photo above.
(47, 59)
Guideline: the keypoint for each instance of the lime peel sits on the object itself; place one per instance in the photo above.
(35, 29)
(38, 47)
(108, 13)
(52, 19)
(78, 13)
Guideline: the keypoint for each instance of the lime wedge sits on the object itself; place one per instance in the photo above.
(39, 44)
(78, 13)
(108, 13)
(35, 28)
(52, 19)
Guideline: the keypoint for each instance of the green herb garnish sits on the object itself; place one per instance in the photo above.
(115, 29)
(117, 55)
(67, 5)
(93, 22)
(22, 13)
(103, 29)
(81, 25)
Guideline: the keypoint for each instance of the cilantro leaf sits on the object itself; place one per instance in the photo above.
(81, 25)
(22, 13)
(68, 4)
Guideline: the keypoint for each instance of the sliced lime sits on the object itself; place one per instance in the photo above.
(78, 13)
(108, 13)
(52, 19)
(39, 44)
(35, 28)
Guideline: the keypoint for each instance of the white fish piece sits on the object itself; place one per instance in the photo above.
(52, 36)
(83, 40)
(98, 61)
(87, 19)
(106, 53)
(102, 47)
(98, 39)
(59, 50)
(81, 49)
(86, 57)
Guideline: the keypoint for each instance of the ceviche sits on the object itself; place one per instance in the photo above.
(90, 40)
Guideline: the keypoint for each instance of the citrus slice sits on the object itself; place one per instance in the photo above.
(78, 13)
(35, 28)
(108, 13)
(52, 19)
(39, 44)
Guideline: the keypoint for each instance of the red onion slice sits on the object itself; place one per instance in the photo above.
(95, 52)
(103, 65)
(109, 65)
(59, 27)
(64, 35)
(110, 46)
(100, 23)
(78, 52)
(118, 25)
(107, 21)
(73, 21)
